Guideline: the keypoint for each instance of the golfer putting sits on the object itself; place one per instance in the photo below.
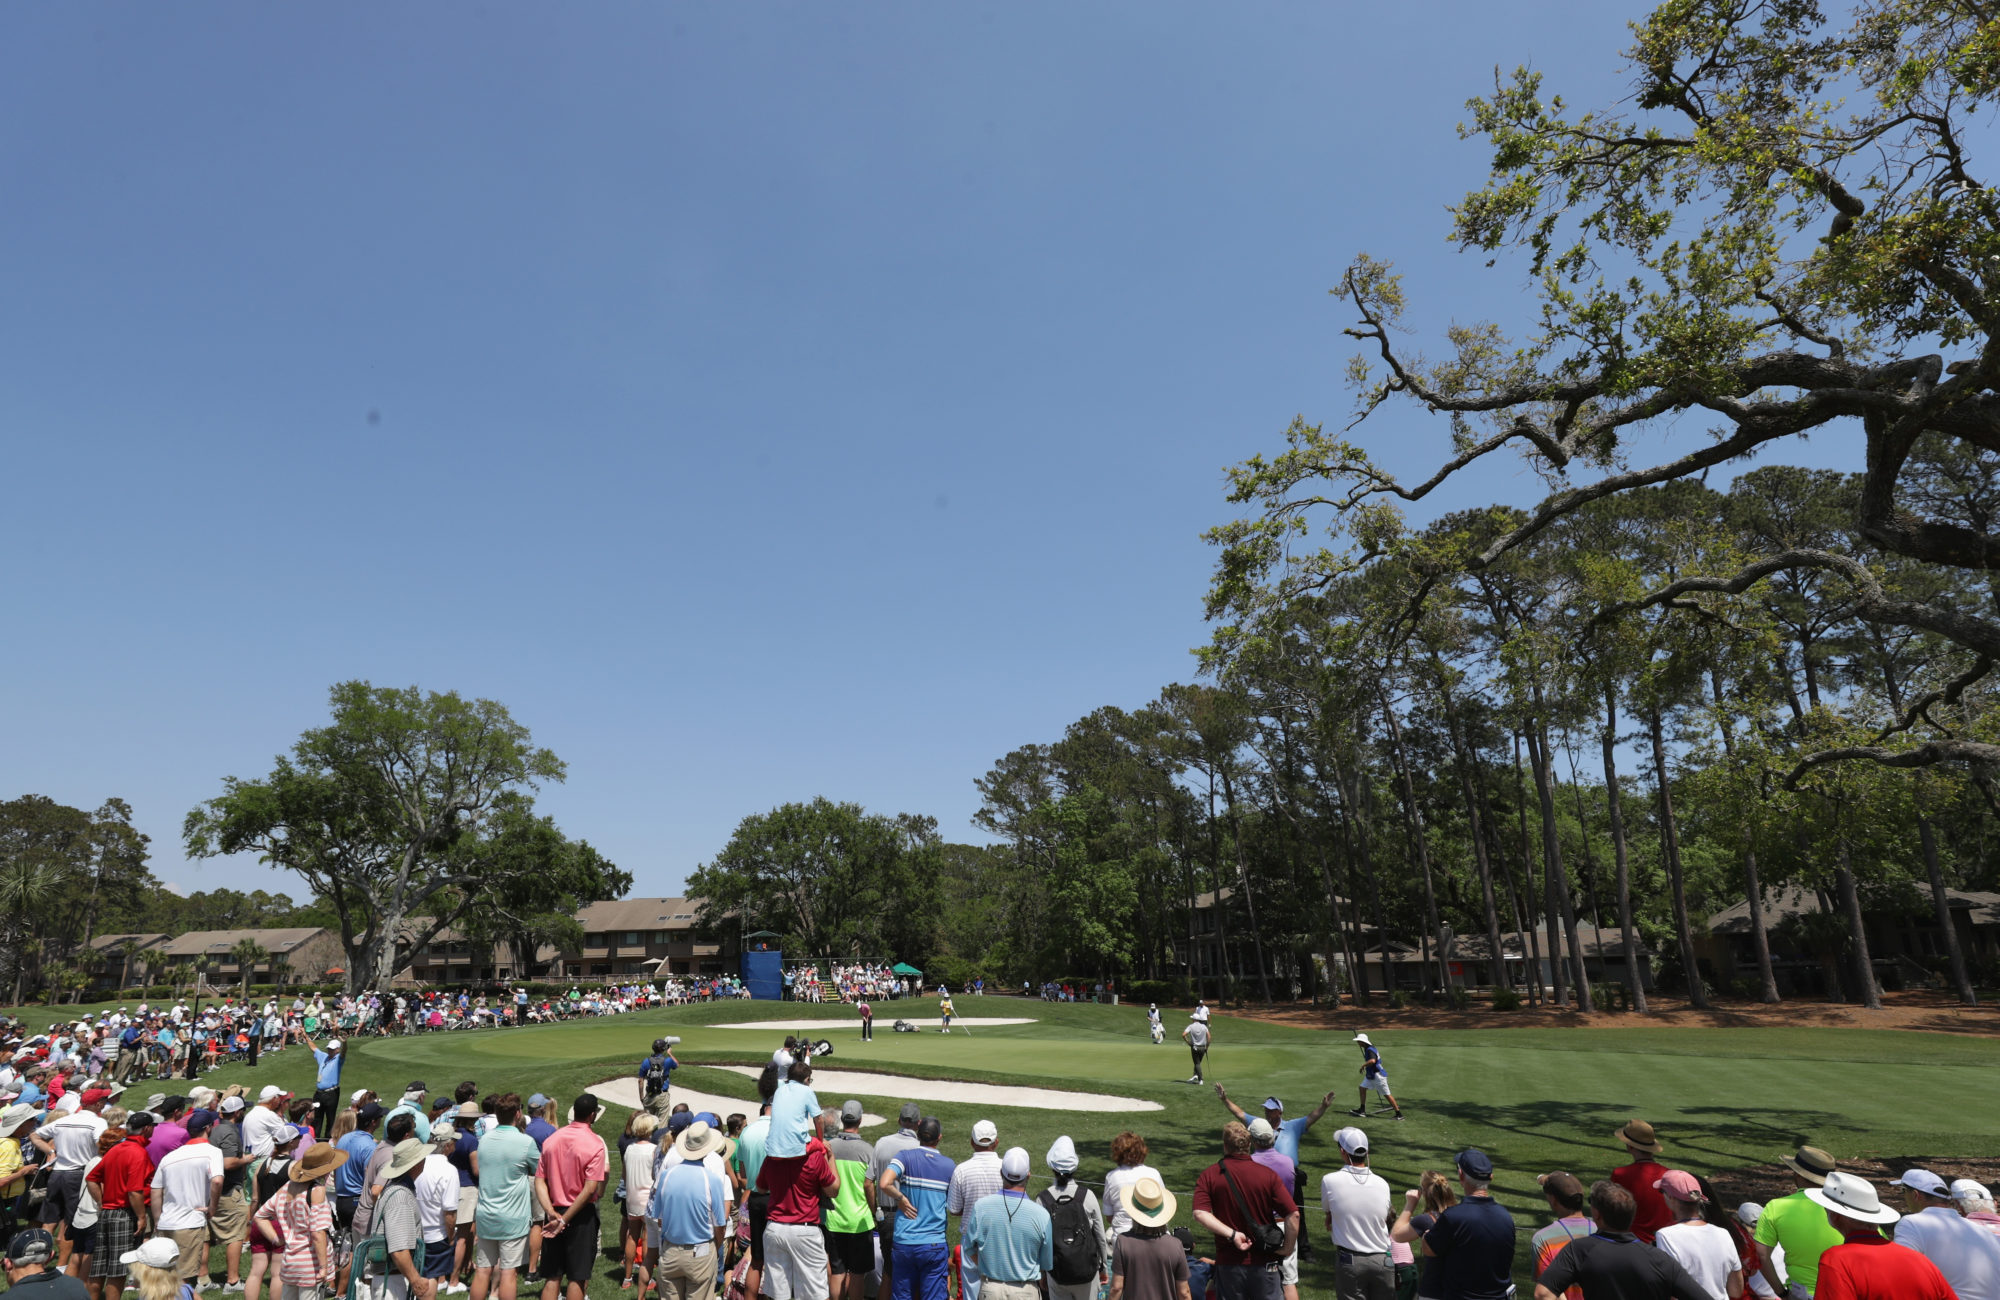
(1373, 1079)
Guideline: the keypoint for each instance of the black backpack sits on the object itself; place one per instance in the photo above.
(1076, 1257)
(654, 1073)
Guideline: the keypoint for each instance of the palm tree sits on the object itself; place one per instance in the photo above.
(247, 953)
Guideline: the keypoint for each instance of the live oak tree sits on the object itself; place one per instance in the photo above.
(1786, 228)
(407, 815)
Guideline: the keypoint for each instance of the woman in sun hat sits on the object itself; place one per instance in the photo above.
(1146, 1258)
(1866, 1266)
(299, 1221)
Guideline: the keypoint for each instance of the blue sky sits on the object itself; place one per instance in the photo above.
(762, 401)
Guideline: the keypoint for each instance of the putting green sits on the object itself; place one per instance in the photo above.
(1534, 1099)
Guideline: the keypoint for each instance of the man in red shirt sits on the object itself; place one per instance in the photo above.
(1868, 1266)
(567, 1184)
(795, 1264)
(1245, 1270)
(1639, 1176)
(123, 1178)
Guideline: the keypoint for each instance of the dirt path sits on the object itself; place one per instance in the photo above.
(1928, 1011)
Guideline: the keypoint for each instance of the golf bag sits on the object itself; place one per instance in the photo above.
(904, 1027)
(824, 1047)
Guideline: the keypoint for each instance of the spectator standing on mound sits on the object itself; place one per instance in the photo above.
(1082, 1248)
(1613, 1263)
(1641, 1177)
(1798, 1225)
(1473, 1241)
(977, 1178)
(1967, 1254)
(1009, 1238)
(1565, 1195)
(1357, 1223)
(1867, 1265)
(1241, 1202)
(1196, 1037)
(917, 1185)
(1707, 1251)
(887, 1148)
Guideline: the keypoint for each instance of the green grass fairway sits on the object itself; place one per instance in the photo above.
(1534, 1099)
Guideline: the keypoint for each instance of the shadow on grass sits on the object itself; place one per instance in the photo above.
(1724, 1135)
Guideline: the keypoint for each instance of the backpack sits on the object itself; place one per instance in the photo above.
(1076, 1258)
(654, 1073)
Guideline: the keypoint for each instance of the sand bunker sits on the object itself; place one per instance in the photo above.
(854, 1022)
(625, 1092)
(843, 1083)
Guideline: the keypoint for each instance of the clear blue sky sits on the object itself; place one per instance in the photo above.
(762, 401)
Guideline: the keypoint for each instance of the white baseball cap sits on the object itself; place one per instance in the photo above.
(230, 1105)
(359, 1093)
(270, 1092)
(333, 1044)
(1923, 1180)
(1352, 1140)
(985, 1133)
(154, 1252)
(1014, 1165)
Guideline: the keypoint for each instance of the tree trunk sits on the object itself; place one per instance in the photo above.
(1560, 900)
(1623, 863)
(1670, 840)
(1243, 883)
(1227, 977)
(1850, 903)
(1760, 938)
(1524, 894)
(1414, 820)
(1490, 905)
(1961, 979)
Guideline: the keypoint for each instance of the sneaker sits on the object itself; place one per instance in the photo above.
(1362, 1113)
(1399, 1114)
(456, 1288)
(1194, 1078)
(229, 1288)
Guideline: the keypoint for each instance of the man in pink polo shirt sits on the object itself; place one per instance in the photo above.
(567, 1185)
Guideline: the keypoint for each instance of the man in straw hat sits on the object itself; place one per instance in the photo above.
(1866, 1265)
(691, 1211)
(1797, 1225)
(1966, 1253)
(1640, 1177)
(1010, 1238)
(1147, 1261)
(1614, 1262)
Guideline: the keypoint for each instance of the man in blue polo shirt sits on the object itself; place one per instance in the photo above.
(326, 1083)
(1473, 1241)
(918, 1182)
(1373, 1078)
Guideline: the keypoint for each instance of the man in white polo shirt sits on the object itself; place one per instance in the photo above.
(1966, 1253)
(263, 1120)
(186, 1186)
(1357, 1222)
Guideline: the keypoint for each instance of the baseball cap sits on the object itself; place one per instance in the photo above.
(96, 1096)
(358, 1094)
(368, 1114)
(1679, 1185)
(271, 1092)
(985, 1133)
(1014, 1165)
(333, 1044)
(198, 1122)
(1923, 1180)
(537, 1101)
(31, 1246)
(154, 1252)
(1472, 1162)
(1261, 1132)
(1352, 1140)
(851, 1112)
(1748, 1213)
(230, 1105)
(912, 1113)
(1969, 1189)
(1272, 1103)
(284, 1133)
(417, 1085)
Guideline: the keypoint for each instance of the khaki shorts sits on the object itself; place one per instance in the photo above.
(512, 1253)
(193, 1243)
(468, 1206)
(231, 1220)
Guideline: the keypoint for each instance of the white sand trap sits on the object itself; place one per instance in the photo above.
(854, 1022)
(625, 1092)
(848, 1082)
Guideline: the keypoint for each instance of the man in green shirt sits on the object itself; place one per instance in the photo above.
(1799, 1226)
(506, 1162)
(850, 1216)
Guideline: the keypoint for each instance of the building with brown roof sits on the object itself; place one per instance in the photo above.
(643, 937)
(302, 954)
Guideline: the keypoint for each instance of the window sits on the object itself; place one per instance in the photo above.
(631, 937)
(593, 940)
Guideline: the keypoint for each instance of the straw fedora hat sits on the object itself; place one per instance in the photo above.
(1811, 1164)
(1852, 1196)
(321, 1159)
(1639, 1135)
(407, 1155)
(699, 1139)
(1149, 1204)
